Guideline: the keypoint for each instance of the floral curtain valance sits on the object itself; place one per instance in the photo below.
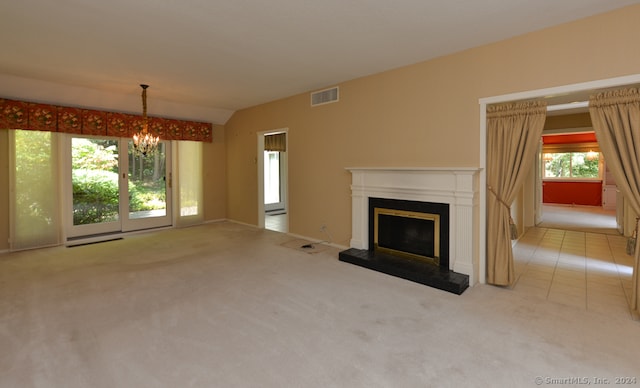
(44, 117)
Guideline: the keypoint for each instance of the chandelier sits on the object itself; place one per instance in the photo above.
(144, 143)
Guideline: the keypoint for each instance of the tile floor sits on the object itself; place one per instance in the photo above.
(583, 270)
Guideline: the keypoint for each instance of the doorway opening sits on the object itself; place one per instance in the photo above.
(273, 180)
(583, 269)
(575, 188)
(565, 98)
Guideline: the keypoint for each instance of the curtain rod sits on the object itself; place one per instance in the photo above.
(571, 105)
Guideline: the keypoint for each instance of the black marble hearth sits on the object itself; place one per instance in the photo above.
(409, 269)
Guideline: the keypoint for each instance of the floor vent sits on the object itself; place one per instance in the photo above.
(93, 242)
(326, 96)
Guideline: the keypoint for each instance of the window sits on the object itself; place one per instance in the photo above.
(572, 165)
(190, 196)
(35, 209)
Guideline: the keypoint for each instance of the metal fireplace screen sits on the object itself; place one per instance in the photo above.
(407, 233)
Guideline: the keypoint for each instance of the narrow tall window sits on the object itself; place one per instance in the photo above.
(189, 183)
(34, 200)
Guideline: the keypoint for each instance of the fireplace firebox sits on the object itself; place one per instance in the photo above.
(409, 239)
(412, 229)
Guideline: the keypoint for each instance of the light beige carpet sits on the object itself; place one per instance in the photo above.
(226, 305)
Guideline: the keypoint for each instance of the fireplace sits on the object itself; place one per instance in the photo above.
(412, 229)
(440, 204)
(411, 234)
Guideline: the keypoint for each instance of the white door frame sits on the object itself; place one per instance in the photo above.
(540, 93)
(80, 231)
(285, 169)
(134, 224)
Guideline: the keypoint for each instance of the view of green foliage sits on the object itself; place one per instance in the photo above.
(571, 165)
(95, 196)
(95, 182)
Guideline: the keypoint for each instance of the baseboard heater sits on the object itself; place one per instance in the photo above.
(93, 242)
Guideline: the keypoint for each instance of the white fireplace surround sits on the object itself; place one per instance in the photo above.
(457, 187)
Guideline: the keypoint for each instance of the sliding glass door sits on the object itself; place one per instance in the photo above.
(147, 190)
(95, 192)
(112, 190)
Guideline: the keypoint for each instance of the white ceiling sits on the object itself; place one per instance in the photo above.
(232, 54)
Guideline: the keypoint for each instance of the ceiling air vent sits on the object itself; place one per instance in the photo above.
(326, 96)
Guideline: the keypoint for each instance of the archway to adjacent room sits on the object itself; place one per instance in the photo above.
(272, 161)
(563, 97)
(566, 266)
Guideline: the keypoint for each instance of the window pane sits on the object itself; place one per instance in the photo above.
(94, 176)
(189, 183)
(585, 164)
(577, 165)
(147, 185)
(271, 177)
(557, 165)
(34, 203)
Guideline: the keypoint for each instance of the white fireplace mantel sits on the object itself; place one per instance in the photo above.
(456, 186)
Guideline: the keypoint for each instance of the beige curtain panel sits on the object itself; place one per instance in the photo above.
(277, 142)
(616, 121)
(513, 136)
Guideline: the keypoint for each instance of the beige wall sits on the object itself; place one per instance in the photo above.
(577, 120)
(215, 176)
(426, 114)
